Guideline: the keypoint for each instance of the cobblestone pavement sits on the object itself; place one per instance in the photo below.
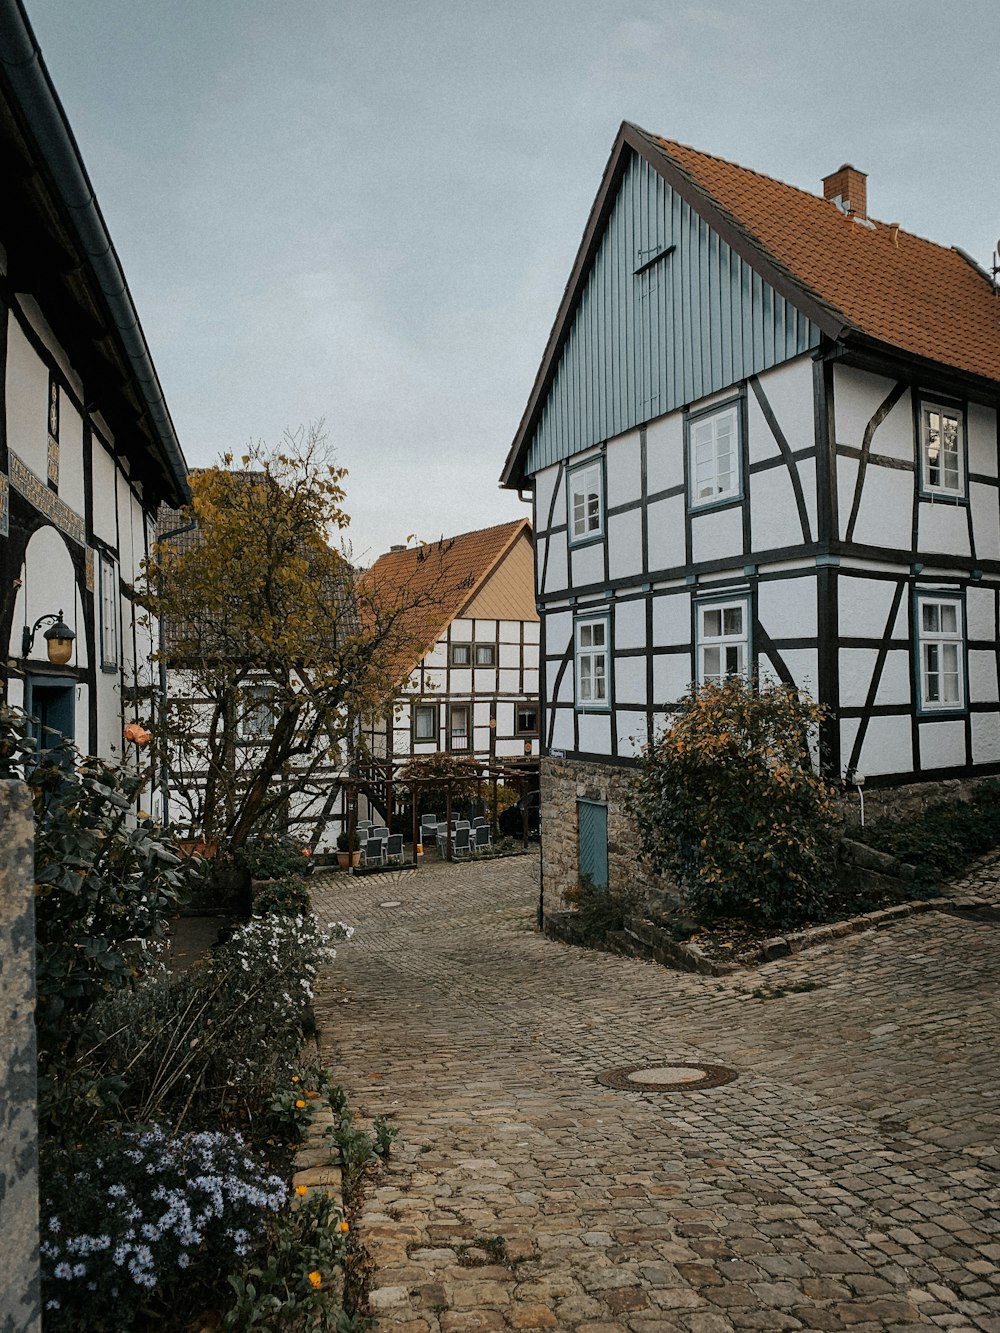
(847, 1178)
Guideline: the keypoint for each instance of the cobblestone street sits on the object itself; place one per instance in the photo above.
(847, 1177)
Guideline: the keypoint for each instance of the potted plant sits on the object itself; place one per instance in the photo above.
(348, 849)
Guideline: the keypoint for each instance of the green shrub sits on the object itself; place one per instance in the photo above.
(105, 882)
(603, 910)
(942, 839)
(273, 856)
(727, 802)
(282, 897)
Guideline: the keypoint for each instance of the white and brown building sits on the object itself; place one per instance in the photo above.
(763, 436)
(87, 448)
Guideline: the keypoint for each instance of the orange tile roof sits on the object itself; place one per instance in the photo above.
(437, 580)
(912, 294)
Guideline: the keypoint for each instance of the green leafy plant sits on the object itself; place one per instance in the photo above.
(727, 802)
(941, 840)
(348, 842)
(602, 910)
(282, 897)
(273, 856)
(105, 882)
(385, 1136)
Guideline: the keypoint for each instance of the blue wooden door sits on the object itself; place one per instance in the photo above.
(593, 844)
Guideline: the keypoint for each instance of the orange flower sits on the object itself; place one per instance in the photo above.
(295, 1078)
(300, 1105)
(316, 1278)
(301, 1190)
(307, 851)
(345, 1226)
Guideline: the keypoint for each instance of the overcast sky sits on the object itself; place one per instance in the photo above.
(367, 211)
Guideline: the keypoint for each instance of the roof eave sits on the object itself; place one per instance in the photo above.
(46, 124)
(830, 321)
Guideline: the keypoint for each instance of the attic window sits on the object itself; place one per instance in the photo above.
(942, 451)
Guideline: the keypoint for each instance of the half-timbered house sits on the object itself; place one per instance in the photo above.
(763, 436)
(87, 447)
(470, 686)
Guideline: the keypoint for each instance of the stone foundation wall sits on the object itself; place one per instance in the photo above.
(908, 799)
(565, 781)
(20, 1310)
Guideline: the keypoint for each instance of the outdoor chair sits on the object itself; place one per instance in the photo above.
(394, 848)
(380, 832)
(482, 835)
(428, 828)
(374, 852)
(460, 843)
(362, 826)
(479, 821)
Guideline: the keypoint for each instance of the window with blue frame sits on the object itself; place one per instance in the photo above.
(592, 661)
(722, 639)
(940, 652)
(585, 501)
(714, 456)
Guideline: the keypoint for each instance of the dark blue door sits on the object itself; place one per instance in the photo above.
(51, 702)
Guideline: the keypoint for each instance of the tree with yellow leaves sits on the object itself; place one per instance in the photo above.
(276, 644)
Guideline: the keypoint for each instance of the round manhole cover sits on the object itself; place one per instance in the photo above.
(666, 1078)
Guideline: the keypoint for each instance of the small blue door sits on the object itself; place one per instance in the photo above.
(51, 703)
(593, 824)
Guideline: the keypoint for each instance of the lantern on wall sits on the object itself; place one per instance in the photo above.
(58, 639)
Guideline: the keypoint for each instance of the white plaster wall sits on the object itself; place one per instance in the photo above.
(562, 731)
(985, 501)
(717, 534)
(983, 682)
(774, 515)
(887, 747)
(558, 631)
(896, 684)
(587, 565)
(630, 681)
(557, 570)
(980, 613)
(461, 630)
(942, 744)
(70, 454)
(789, 390)
(863, 605)
(509, 655)
(544, 483)
(787, 607)
(981, 427)
(105, 494)
(623, 469)
(532, 632)
(48, 584)
(434, 680)
(665, 533)
(856, 666)
(27, 401)
(942, 528)
(672, 618)
(631, 733)
(857, 397)
(461, 680)
(665, 453)
(671, 677)
(985, 738)
(437, 655)
(625, 544)
(595, 732)
(761, 444)
(802, 663)
(885, 513)
(510, 681)
(630, 624)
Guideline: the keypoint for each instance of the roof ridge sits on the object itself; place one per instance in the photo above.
(879, 224)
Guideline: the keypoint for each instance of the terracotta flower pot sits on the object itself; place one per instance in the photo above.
(344, 859)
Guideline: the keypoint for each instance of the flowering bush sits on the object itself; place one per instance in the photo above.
(728, 802)
(137, 1212)
(218, 1042)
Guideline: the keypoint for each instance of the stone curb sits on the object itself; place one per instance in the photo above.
(657, 945)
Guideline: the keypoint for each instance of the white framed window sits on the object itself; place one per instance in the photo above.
(257, 718)
(109, 612)
(585, 498)
(425, 722)
(714, 456)
(941, 653)
(942, 449)
(592, 662)
(723, 639)
(458, 726)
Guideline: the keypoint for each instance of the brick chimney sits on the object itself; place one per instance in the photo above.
(850, 186)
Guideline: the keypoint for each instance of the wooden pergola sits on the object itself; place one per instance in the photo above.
(381, 780)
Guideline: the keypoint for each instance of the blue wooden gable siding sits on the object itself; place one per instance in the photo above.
(642, 345)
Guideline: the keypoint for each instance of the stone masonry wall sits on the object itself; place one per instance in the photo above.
(19, 1294)
(565, 781)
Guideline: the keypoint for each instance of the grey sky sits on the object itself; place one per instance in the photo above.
(367, 211)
